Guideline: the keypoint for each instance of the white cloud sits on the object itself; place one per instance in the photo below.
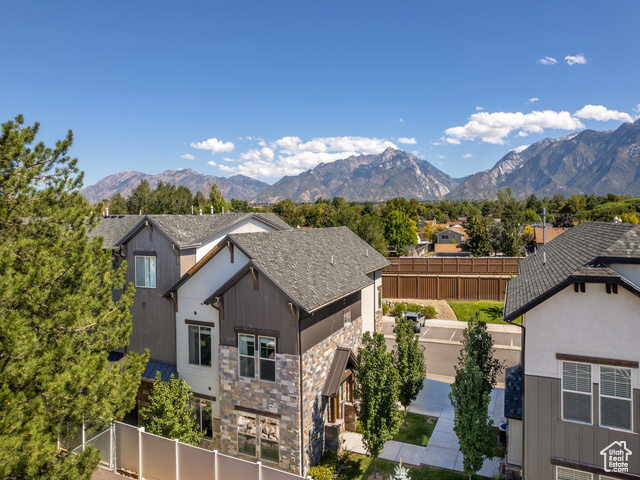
(441, 156)
(520, 148)
(295, 156)
(224, 168)
(576, 59)
(214, 145)
(407, 141)
(548, 61)
(467, 155)
(212, 163)
(602, 114)
(401, 120)
(415, 152)
(188, 156)
(532, 100)
(453, 141)
(479, 109)
(522, 134)
(495, 127)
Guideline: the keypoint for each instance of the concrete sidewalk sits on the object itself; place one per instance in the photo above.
(443, 449)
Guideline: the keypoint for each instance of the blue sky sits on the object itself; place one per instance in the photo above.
(273, 88)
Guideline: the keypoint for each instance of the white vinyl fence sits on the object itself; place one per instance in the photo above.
(124, 447)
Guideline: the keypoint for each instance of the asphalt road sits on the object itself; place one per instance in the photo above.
(442, 349)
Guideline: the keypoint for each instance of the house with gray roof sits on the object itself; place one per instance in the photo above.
(268, 325)
(159, 249)
(577, 391)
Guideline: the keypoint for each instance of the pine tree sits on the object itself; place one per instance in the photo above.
(59, 319)
(377, 384)
(169, 414)
(408, 357)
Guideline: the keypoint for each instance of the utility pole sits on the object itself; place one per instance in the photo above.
(544, 225)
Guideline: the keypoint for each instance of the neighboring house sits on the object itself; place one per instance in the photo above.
(579, 394)
(451, 235)
(159, 249)
(268, 326)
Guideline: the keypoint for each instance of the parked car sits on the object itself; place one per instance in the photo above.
(417, 319)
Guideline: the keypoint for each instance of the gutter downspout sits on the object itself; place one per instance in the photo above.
(301, 436)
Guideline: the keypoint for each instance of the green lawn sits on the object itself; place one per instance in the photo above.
(417, 431)
(360, 467)
(489, 312)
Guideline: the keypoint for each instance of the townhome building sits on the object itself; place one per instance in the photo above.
(159, 249)
(574, 403)
(268, 325)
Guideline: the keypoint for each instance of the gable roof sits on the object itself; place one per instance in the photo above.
(300, 263)
(184, 230)
(578, 255)
(341, 359)
(113, 228)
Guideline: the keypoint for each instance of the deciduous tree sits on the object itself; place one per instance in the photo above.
(479, 241)
(59, 319)
(408, 357)
(377, 385)
(400, 230)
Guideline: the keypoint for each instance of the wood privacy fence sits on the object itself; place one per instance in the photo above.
(454, 265)
(444, 287)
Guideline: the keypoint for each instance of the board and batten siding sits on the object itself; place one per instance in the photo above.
(547, 436)
(263, 310)
(153, 315)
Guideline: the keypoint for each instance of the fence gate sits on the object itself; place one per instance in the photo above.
(105, 443)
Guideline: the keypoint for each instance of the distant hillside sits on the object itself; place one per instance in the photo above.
(588, 162)
(392, 173)
(238, 186)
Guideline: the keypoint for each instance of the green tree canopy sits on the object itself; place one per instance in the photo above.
(377, 384)
(217, 201)
(479, 241)
(59, 319)
(169, 413)
(400, 230)
(139, 200)
(408, 357)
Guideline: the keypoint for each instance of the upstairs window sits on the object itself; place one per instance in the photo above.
(246, 355)
(615, 397)
(145, 271)
(576, 392)
(199, 345)
(267, 358)
(346, 317)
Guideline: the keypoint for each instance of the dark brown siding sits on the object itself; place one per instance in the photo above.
(443, 287)
(547, 436)
(452, 266)
(328, 320)
(153, 315)
(187, 260)
(266, 310)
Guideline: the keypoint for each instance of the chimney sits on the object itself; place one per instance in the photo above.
(200, 211)
(107, 210)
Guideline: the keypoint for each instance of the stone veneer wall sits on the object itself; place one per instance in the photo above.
(316, 363)
(377, 322)
(279, 398)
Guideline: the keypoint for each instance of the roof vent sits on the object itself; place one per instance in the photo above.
(367, 252)
(544, 258)
(332, 261)
(107, 210)
(211, 209)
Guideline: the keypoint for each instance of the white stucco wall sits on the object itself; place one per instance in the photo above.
(593, 323)
(249, 225)
(370, 302)
(215, 273)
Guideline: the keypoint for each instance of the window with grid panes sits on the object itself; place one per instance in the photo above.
(615, 397)
(576, 392)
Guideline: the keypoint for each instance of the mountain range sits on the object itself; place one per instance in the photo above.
(592, 162)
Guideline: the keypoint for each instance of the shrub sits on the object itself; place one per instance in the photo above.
(330, 460)
(385, 309)
(428, 311)
(321, 472)
(399, 309)
(413, 307)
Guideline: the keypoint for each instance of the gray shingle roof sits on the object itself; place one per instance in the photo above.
(579, 252)
(183, 229)
(113, 228)
(513, 392)
(300, 262)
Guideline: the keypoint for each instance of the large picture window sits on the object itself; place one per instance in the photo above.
(246, 355)
(145, 271)
(615, 397)
(576, 392)
(259, 436)
(203, 415)
(199, 345)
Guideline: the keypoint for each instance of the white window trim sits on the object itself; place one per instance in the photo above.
(199, 365)
(275, 348)
(247, 356)
(135, 273)
(600, 395)
(562, 390)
